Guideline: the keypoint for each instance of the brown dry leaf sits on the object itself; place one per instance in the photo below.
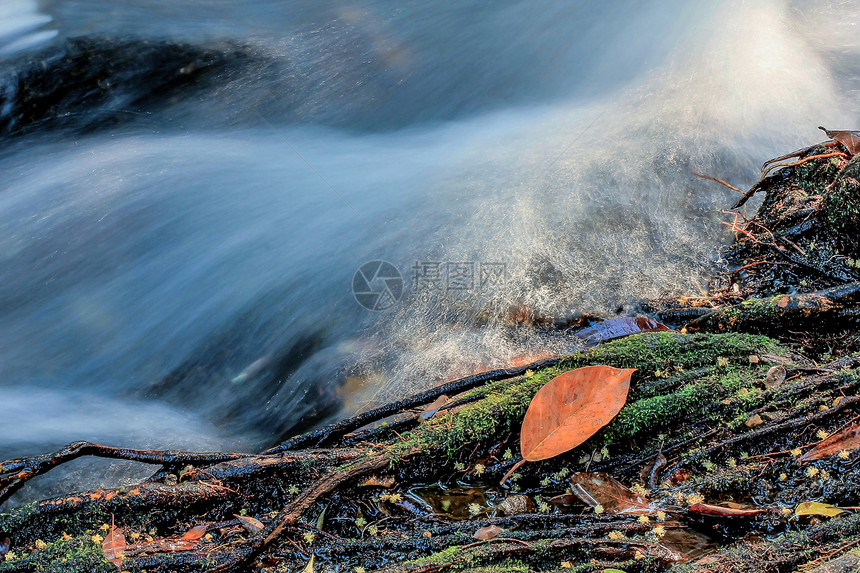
(571, 408)
(687, 542)
(650, 472)
(564, 500)
(847, 439)
(774, 377)
(309, 568)
(719, 511)
(597, 488)
(619, 327)
(754, 421)
(195, 532)
(850, 139)
(251, 524)
(431, 409)
(680, 476)
(515, 505)
(487, 532)
(114, 546)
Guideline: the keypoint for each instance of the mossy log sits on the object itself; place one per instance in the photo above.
(826, 309)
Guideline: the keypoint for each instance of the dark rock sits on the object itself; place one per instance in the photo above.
(89, 82)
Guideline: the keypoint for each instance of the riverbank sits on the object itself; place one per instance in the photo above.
(712, 452)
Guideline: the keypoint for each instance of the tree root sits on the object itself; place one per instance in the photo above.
(291, 514)
(333, 431)
(14, 473)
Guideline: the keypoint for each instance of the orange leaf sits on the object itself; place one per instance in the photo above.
(251, 524)
(487, 532)
(114, 546)
(847, 439)
(571, 408)
(195, 532)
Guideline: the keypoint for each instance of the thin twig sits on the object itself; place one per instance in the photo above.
(720, 181)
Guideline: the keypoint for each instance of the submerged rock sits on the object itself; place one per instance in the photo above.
(88, 82)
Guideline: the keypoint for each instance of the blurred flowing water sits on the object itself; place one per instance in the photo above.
(176, 272)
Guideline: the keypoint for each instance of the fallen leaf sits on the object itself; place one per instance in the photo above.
(650, 472)
(774, 377)
(433, 407)
(114, 546)
(620, 327)
(249, 523)
(719, 511)
(487, 532)
(195, 532)
(687, 542)
(680, 476)
(847, 439)
(754, 421)
(849, 139)
(515, 505)
(571, 408)
(564, 500)
(321, 519)
(309, 568)
(754, 359)
(597, 488)
(817, 508)
(5, 545)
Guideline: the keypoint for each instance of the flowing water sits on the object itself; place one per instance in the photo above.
(176, 271)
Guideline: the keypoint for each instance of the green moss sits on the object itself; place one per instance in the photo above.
(655, 351)
(443, 557)
(63, 556)
(503, 404)
(509, 566)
